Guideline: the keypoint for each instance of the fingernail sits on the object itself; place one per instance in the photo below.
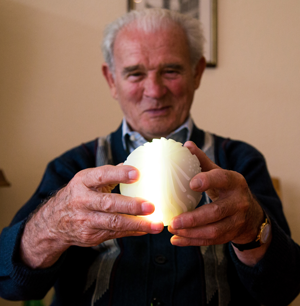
(176, 223)
(175, 240)
(196, 183)
(147, 207)
(133, 174)
(157, 227)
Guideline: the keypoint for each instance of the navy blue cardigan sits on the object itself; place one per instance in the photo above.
(149, 268)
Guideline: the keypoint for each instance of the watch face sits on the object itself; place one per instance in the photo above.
(265, 233)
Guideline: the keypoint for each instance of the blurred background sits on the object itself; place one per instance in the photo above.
(53, 96)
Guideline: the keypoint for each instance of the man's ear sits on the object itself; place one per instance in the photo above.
(199, 69)
(110, 80)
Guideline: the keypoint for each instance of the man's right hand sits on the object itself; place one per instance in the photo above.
(85, 213)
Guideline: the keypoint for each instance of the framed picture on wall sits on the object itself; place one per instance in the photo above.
(204, 10)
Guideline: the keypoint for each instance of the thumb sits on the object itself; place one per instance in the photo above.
(205, 163)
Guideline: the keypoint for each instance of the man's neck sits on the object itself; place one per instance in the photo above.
(132, 139)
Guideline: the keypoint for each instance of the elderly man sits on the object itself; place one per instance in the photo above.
(94, 246)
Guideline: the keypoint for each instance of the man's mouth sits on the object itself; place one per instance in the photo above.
(159, 111)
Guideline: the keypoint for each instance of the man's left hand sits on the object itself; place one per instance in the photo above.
(234, 215)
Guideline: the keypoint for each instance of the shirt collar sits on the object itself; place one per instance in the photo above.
(132, 139)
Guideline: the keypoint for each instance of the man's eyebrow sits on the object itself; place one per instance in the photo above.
(173, 66)
(129, 69)
(133, 68)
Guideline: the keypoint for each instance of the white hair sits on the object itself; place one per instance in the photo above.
(152, 20)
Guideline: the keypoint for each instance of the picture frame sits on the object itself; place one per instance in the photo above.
(204, 10)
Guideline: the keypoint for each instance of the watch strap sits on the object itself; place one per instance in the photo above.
(257, 242)
(247, 246)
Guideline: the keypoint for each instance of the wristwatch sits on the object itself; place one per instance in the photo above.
(262, 237)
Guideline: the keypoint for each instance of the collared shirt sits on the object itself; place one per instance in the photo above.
(132, 139)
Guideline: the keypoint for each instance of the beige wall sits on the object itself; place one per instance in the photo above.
(53, 96)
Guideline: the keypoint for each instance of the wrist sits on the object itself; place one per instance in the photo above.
(262, 238)
(39, 248)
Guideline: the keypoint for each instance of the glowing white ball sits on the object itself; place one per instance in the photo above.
(166, 168)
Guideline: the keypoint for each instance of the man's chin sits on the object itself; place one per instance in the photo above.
(156, 132)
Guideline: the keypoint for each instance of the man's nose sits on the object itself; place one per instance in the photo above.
(154, 87)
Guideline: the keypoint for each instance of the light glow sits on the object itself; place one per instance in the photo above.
(166, 168)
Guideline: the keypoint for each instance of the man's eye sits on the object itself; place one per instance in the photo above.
(171, 73)
(135, 75)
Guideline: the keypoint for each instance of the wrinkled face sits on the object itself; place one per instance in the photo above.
(153, 81)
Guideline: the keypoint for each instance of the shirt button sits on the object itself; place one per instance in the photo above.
(132, 138)
(160, 259)
(156, 302)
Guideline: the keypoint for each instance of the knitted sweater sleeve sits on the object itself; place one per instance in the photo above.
(17, 281)
(275, 280)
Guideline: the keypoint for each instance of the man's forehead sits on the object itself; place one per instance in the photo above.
(135, 50)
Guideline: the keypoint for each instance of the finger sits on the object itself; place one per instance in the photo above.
(105, 175)
(217, 233)
(116, 203)
(186, 241)
(114, 235)
(124, 223)
(205, 163)
(204, 215)
(217, 180)
(87, 239)
(183, 242)
(129, 234)
(213, 231)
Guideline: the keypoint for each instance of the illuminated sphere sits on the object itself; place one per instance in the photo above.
(166, 168)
